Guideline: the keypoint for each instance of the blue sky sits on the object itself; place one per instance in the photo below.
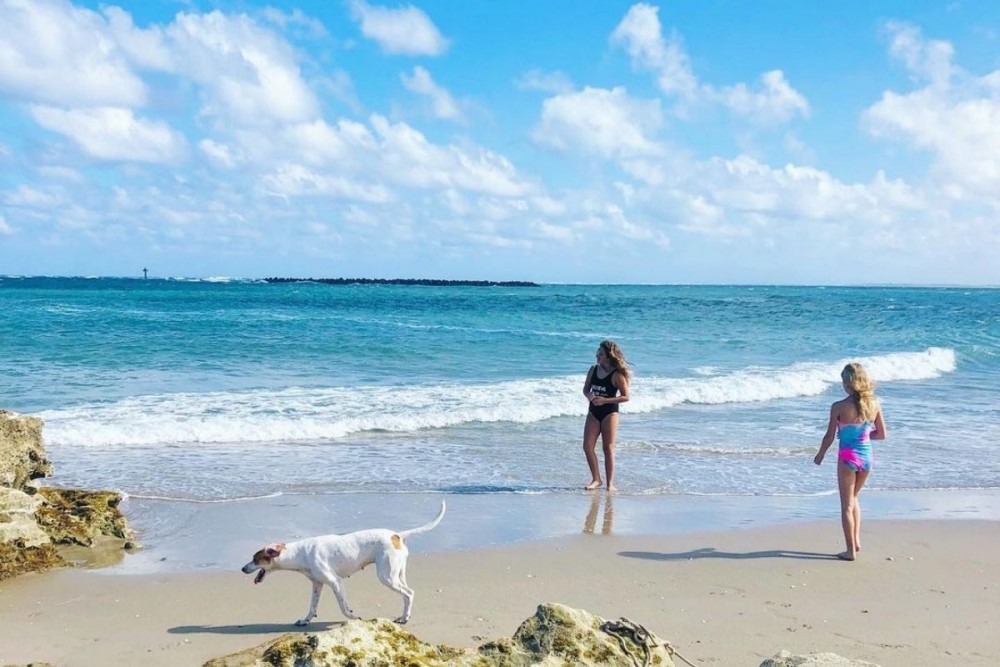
(557, 141)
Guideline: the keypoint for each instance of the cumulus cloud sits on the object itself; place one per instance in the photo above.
(406, 156)
(775, 100)
(248, 74)
(53, 52)
(112, 133)
(406, 31)
(443, 104)
(607, 123)
(955, 116)
(640, 34)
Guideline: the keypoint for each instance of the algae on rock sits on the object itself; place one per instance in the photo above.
(555, 635)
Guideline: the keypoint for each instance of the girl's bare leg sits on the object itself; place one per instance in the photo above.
(862, 477)
(591, 429)
(847, 485)
(609, 429)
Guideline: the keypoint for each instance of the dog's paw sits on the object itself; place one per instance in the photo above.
(301, 622)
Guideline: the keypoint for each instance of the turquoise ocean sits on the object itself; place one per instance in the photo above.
(206, 392)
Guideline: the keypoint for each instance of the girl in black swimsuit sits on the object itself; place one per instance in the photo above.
(606, 388)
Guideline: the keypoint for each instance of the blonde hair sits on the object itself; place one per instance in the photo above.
(862, 390)
(614, 354)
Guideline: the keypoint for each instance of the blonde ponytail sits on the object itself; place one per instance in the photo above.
(862, 390)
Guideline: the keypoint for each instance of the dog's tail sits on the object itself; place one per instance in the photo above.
(423, 529)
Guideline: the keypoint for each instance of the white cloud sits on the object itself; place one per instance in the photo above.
(744, 185)
(30, 197)
(317, 143)
(776, 101)
(442, 103)
(218, 153)
(295, 18)
(293, 179)
(145, 48)
(249, 75)
(111, 133)
(53, 52)
(5, 229)
(927, 59)
(608, 123)
(640, 34)
(405, 31)
(409, 159)
(956, 116)
(549, 82)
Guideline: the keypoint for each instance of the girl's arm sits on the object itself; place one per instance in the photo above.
(831, 433)
(622, 385)
(586, 383)
(878, 433)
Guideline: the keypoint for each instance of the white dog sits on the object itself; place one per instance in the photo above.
(329, 559)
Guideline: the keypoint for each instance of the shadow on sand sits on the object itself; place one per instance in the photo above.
(251, 628)
(711, 552)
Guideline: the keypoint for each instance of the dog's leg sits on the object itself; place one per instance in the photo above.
(337, 587)
(317, 589)
(391, 572)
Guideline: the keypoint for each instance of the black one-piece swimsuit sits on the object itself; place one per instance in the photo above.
(606, 388)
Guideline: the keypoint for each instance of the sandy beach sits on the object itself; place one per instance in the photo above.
(923, 593)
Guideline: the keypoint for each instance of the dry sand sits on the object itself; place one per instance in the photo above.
(923, 593)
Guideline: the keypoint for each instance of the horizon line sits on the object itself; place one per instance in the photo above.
(278, 280)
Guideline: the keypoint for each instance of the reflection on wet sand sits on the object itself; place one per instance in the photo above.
(590, 523)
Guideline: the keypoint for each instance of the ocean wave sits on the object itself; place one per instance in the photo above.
(312, 414)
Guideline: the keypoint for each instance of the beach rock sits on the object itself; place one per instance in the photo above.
(786, 659)
(22, 455)
(75, 516)
(555, 635)
(24, 546)
(35, 522)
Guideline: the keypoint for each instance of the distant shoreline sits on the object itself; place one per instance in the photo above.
(424, 282)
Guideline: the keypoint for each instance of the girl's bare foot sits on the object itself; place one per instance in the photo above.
(845, 555)
(593, 485)
(612, 488)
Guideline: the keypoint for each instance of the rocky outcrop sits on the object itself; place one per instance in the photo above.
(36, 522)
(555, 635)
(24, 546)
(73, 516)
(22, 455)
(786, 659)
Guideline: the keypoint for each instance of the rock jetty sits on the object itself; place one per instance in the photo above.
(422, 282)
(36, 523)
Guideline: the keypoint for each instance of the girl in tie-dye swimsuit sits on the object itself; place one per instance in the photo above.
(855, 421)
(855, 445)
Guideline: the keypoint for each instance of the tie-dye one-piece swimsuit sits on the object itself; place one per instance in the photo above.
(855, 445)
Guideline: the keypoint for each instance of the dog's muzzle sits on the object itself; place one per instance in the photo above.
(250, 567)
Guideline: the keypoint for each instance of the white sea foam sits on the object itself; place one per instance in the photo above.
(304, 414)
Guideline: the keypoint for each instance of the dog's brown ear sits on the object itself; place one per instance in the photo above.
(273, 550)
